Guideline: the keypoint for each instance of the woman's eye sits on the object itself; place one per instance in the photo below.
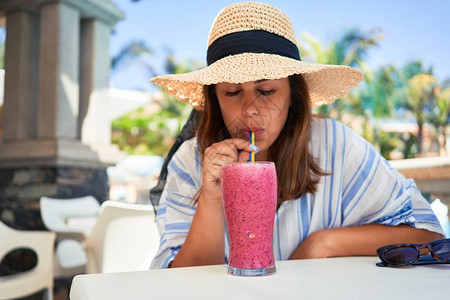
(231, 94)
(267, 93)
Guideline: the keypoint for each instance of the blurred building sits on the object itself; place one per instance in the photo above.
(55, 134)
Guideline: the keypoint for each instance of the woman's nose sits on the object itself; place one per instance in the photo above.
(250, 106)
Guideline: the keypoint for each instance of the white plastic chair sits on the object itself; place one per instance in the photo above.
(72, 220)
(36, 279)
(124, 238)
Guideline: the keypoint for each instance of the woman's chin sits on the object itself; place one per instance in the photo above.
(263, 150)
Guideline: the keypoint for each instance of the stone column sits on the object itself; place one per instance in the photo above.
(95, 66)
(22, 45)
(59, 71)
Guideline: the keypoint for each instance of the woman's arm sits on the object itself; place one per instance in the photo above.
(204, 243)
(359, 240)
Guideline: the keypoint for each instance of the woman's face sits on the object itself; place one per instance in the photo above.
(260, 106)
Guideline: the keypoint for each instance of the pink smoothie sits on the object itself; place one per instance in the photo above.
(250, 199)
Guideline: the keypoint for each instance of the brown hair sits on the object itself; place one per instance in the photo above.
(297, 171)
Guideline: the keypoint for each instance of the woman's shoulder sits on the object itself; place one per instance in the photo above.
(188, 148)
(326, 127)
(187, 156)
(327, 132)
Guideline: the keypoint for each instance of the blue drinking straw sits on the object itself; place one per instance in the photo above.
(251, 139)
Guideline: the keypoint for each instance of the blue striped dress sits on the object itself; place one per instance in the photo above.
(362, 189)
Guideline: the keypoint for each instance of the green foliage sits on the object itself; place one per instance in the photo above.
(409, 148)
(440, 114)
(143, 133)
(388, 142)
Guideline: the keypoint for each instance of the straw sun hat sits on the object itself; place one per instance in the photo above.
(249, 41)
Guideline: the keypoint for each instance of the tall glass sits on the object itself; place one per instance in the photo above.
(250, 199)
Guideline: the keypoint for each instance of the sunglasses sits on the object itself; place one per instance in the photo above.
(400, 255)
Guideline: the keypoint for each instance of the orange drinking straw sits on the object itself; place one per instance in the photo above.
(251, 155)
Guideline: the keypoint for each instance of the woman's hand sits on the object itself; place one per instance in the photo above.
(215, 156)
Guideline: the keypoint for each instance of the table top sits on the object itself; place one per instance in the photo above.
(332, 278)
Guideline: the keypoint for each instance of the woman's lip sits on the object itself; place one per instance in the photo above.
(258, 133)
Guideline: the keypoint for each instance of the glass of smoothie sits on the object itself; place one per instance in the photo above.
(250, 199)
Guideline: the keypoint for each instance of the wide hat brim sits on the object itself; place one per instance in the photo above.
(325, 83)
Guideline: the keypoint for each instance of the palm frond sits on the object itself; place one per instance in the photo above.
(130, 51)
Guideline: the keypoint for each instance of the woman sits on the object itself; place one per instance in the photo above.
(336, 195)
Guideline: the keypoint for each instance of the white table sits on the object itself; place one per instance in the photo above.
(333, 278)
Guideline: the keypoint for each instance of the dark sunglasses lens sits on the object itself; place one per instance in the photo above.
(403, 255)
(442, 250)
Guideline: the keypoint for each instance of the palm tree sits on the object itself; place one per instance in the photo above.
(377, 97)
(350, 49)
(402, 79)
(420, 96)
(440, 117)
(413, 68)
(400, 104)
(131, 51)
